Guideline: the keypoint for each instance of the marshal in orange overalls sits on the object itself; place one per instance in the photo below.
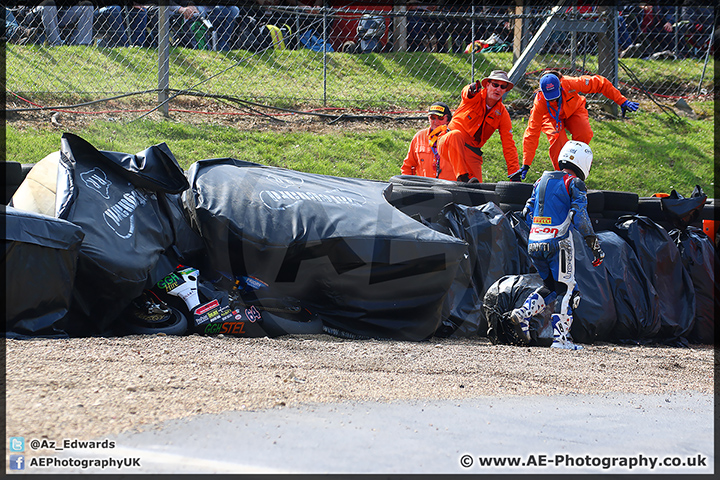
(571, 116)
(471, 126)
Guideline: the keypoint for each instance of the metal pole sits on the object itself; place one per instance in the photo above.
(676, 27)
(616, 44)
(163, 58)
(573, 40)
(324, 25)
(472, 46)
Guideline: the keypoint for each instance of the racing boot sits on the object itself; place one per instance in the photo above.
(520, 317)
(561, 332)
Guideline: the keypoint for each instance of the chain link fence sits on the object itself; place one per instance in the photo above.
(386, 56)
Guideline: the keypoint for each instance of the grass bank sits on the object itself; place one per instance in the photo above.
(646, 153)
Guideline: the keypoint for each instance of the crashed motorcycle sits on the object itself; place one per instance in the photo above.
(183, 303)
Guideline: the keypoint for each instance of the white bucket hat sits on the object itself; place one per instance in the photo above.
(499, 75)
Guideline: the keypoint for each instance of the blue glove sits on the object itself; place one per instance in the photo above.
(523, 172)
(628, 105)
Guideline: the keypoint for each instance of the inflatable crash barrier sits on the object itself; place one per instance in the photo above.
(279, 251)
(336, 244)
(656, 284)
(40, 263)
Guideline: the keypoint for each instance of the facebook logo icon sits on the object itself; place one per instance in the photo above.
(17, 462)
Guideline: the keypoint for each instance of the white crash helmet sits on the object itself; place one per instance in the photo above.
(577, 156)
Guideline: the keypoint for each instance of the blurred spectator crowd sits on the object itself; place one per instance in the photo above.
(644, 30)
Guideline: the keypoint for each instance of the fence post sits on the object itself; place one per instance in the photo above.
(400, 26)
(518, 31)
(616, 44)
(607, 53)
(573, 38)
(325, 55)
(676, 28)
(163, 58)
(472, 46)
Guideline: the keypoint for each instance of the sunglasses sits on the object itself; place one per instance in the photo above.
(497, 85)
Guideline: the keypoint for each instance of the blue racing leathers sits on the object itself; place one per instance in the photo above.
(558, 201)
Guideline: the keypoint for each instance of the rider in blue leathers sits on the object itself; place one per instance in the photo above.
(558, 200)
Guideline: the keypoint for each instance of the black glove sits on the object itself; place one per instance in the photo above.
(523, 171)
(594, 245)
(463, 178)
(474, 88)
(525, 211)
(516, 177)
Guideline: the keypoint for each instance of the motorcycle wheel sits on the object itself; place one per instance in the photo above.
(175, 323)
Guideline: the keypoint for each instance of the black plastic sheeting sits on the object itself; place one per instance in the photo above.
(301, 245)
(699, 257)
(335, 244)
(522, 232)
(661, 262)
(595, 317)
(680, 211)
(40, 263)
(508, 293)
(636, 302)
(493, 253)
(462, 306)
(119, 201)
(648, 289)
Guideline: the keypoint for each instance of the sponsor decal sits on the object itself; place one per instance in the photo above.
(291, 191)
(282, 199)
(207, 307)
(120, 216)
(96, 180)
(229, 328)
(251, 283)
(187, 294)
(169, 282)
(253, 314)
(567, 257)
(213, 313)
(545, 232)
(542, 220)
(288, 182)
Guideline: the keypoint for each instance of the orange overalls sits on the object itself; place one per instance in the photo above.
(471, 126)
(572, 115)
(420, 159)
